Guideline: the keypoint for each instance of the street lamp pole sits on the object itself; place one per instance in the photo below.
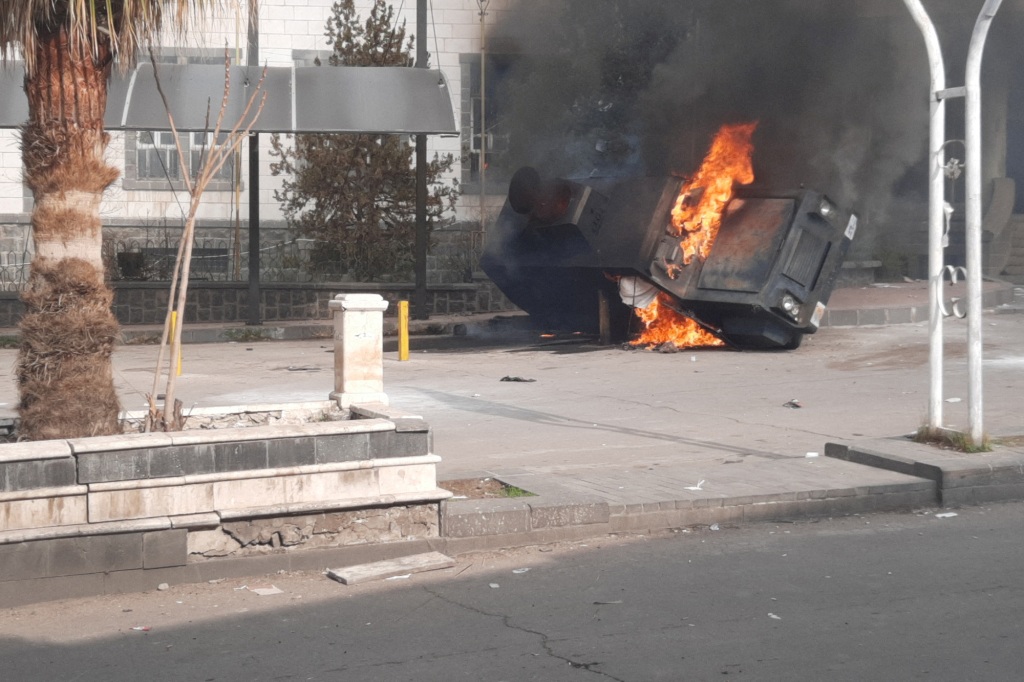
(483, 5)
(420, 311)
(973, 187)
(936, 203)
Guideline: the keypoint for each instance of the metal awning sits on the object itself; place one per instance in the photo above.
(310, 99)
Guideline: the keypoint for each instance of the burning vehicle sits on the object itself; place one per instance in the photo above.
(708, 260)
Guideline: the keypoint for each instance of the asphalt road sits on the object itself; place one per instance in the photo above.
(884, 597)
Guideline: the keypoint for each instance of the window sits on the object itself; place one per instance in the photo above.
(151, 158)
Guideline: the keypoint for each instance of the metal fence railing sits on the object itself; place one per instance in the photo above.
(294, 260)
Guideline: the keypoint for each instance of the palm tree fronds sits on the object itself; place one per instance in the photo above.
(125, 25)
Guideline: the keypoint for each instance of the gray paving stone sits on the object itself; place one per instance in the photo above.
(123, 465)
(289, 452)
(240, 456)
(181, 460)
(346, 447)
(40, 473)
(395, 444)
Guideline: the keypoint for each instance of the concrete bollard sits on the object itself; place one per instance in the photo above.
(358, 349)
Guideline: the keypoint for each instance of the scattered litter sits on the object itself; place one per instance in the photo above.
(793, 404)
(267, 591)
(243, 587)
(142, 628)
(303, 368)
(216, 581)
(945, 515)
(952, 400)
(494, 586)
(811, 454)
(604, 603)
(518, 379)
(476, 395)
(774, 617)
(163, 586)
(714, 526)
(693, 358)
(381, 570)
(400, 577)
(699, 485)
(520, 570)
(460, 497)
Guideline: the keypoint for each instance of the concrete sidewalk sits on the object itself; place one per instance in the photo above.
(614, 440)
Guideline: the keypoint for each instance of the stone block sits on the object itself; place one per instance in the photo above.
(546, 515)
(346, 447)
(842, 318)
(407, 478)
(900, 315)
(38, 473)
(240, 456)
(290, 452)
(139, 503)
(24, 560)
(181, 460)
(873, 316)
(164, 548)
(43, 512)
(101, 467)
(404, 444)
(94, 554)
(334, 485)
(249, 492)
(42, 449)
(981, 476)
(475, 518)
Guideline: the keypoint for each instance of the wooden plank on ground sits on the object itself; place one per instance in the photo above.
(380, 570)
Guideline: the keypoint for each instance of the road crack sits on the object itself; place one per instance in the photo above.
(545, 640)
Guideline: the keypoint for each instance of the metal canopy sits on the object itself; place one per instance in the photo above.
(311, 99)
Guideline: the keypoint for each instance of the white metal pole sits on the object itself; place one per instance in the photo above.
(973, 208)
(936, 198)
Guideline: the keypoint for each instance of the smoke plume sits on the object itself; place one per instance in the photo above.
(639, 87)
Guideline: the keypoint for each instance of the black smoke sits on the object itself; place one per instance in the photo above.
(606, 87)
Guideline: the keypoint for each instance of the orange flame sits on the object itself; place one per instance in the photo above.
(696, 217)
(663, 324)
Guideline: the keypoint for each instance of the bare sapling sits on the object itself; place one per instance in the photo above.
(222, 145)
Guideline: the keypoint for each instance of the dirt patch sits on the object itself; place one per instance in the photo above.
(482, 488)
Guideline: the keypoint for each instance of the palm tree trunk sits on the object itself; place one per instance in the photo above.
(68, 331)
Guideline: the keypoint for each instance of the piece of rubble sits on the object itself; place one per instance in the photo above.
(381, 570)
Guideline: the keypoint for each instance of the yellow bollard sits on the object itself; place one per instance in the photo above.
(403, 330)
(174, 323)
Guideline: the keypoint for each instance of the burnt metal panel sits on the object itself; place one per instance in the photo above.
(751, 234)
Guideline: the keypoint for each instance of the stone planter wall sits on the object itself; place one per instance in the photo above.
(141, 501)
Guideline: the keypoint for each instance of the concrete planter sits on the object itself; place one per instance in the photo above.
(140, 502)
(71, 507)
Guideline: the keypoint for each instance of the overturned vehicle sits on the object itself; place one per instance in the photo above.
(581, 254)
